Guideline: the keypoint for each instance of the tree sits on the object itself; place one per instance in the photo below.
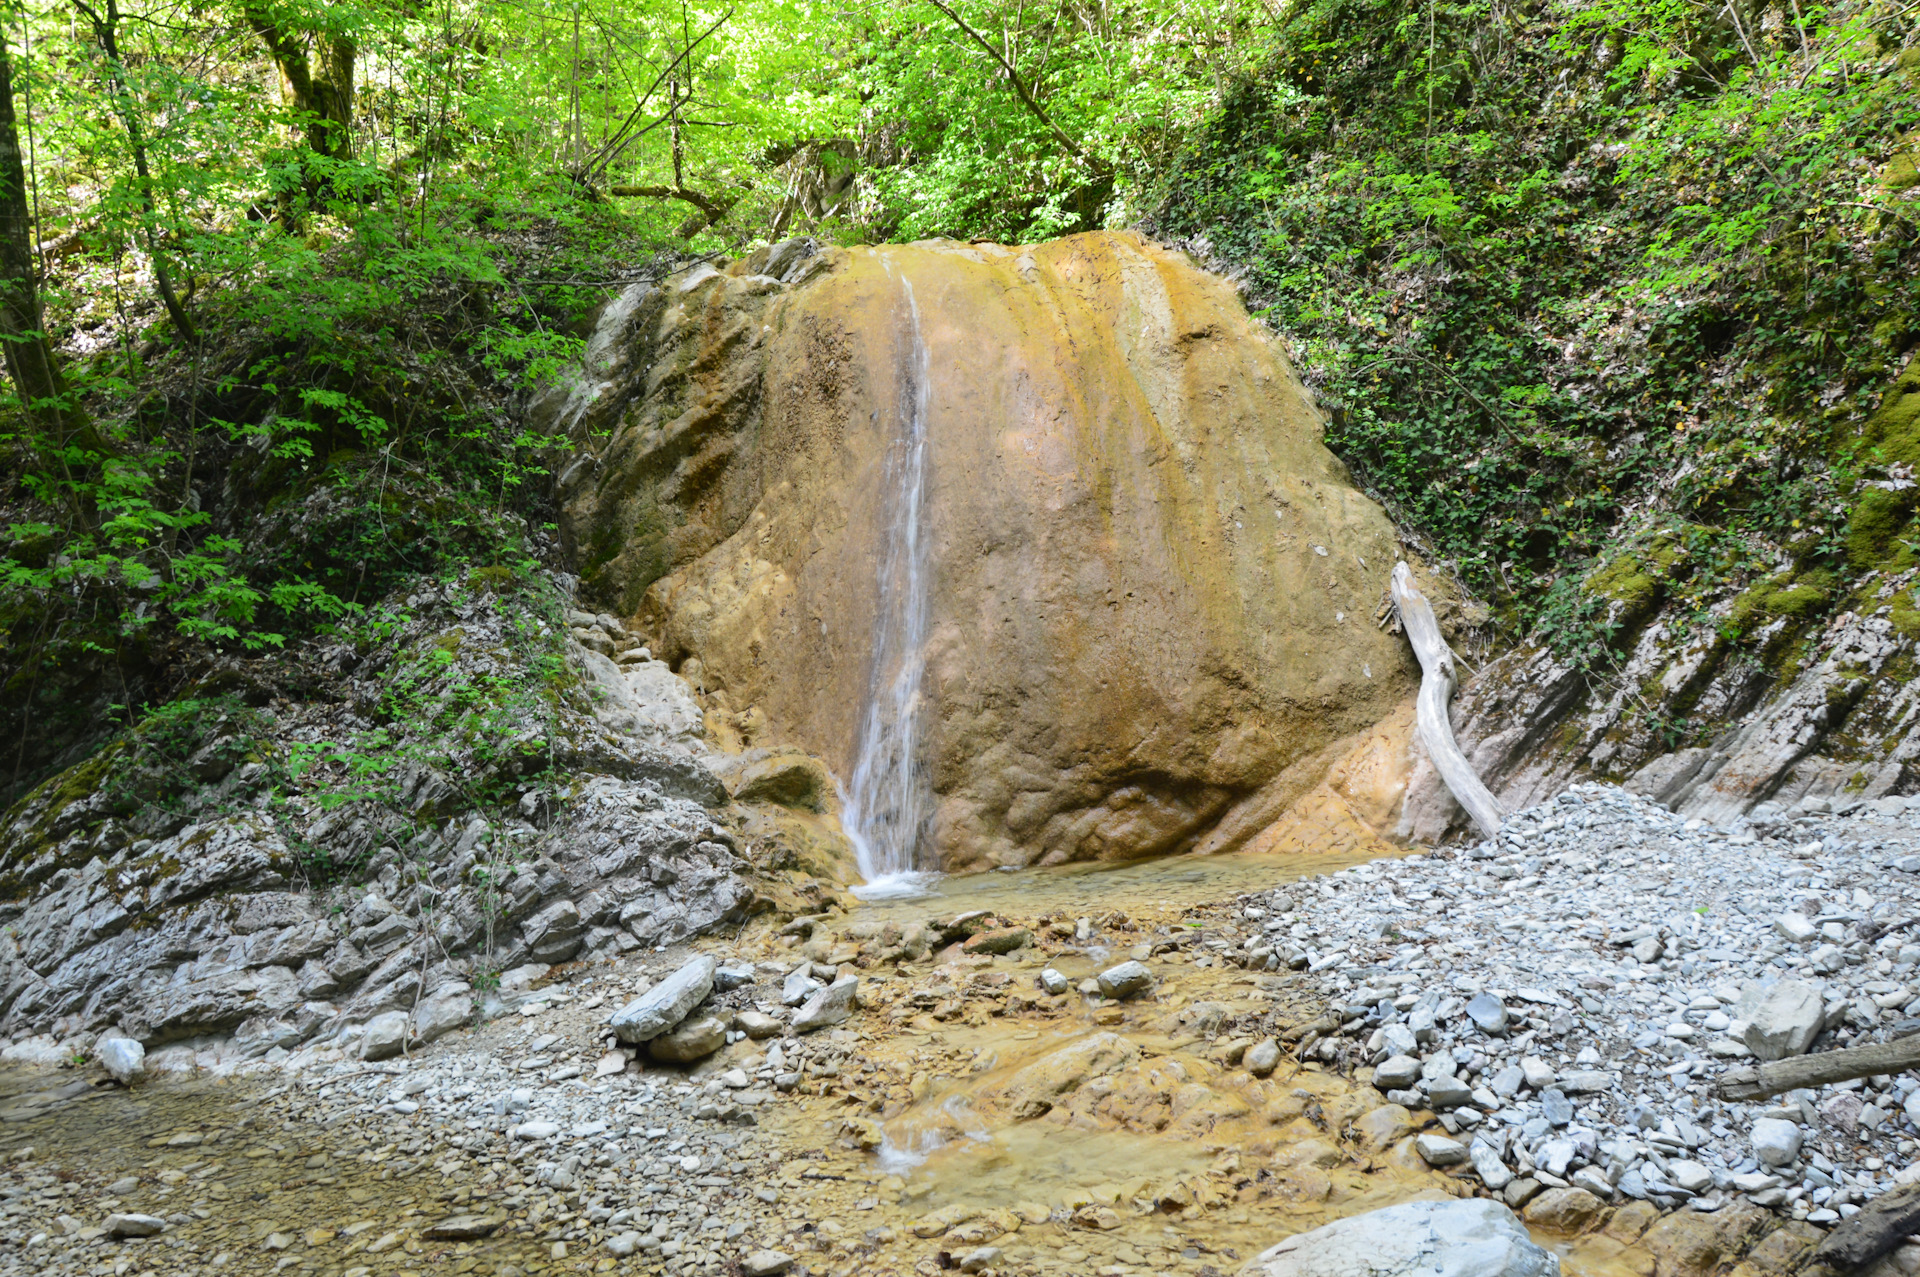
(106, 32)
(322, 94)
(29, 354)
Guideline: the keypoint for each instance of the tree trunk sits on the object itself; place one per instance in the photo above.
(106, 31)
(29, 355)
(324, 98)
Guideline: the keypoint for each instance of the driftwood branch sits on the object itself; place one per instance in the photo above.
(711, 209)
(1436, 690)
(1796, 1071)
(1881, 1225)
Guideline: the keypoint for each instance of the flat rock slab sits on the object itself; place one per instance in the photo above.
(665, 1004)
(461, 1228)
(1455, 1238)
(135, 1226)
(832, 1005)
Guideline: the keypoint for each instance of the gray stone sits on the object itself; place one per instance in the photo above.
(830, 1006)
(731, 975)
(1593, 1181)
(1400, 1072)
(757, 1025)
(536, 1130)
(122, 1058)
(665, 1004)
(1648, 950)
(1776, 1141)
(1399, 1040)
(1537, 1072)
(1438, 1150)
(1507, 1082)
(1492, 1171)
(1795, 927)
(1053, 982)
(1448, 1093)
(1127, 980)
(1783, 1017)
(799, 986)
(131, 1225)
(463, 1228)
(1690, 1175)
(1586, 1081)
(766, 1263)
(1263, 1057)
(1557, 1108)
(622, 1244)
(694, 1039)
(1474, 1237)
(385, 1036)
(1488, 1013)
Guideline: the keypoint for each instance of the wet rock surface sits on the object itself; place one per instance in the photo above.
(735, 432)
(963, 1110)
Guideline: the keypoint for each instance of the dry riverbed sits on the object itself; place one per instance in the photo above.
(963, 1118)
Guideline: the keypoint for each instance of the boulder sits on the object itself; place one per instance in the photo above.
(830, 1006)
(1454, 1238)
(665, 1004)
(122, 1058)
(1125, 981)
(1783, 1017)
(385, 1036)
(695, 1039)
(1122, 747)
(1564, 1210)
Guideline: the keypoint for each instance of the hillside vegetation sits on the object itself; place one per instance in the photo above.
(1609, 302)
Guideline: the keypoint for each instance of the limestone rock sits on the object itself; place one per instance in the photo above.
(1035, 1089)
(695, 1039)
(766, 1263)
(1455, 1238)
(122, 1058)
(1783, 1017)
(740, 486)
(463, 1228)
(830, 1006)
(131, 1225)
(1125, 981)
(1380, 1129)
(665, 1004)
(1564, 1210)
(385, 1037)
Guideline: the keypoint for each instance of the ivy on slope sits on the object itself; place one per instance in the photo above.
(1577, 279)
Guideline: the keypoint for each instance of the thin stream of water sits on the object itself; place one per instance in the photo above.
(888, 803)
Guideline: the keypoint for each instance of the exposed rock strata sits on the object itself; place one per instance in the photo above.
(259, 912)
(1153, 588)
(1832, 712)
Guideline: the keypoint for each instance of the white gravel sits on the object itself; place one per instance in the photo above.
(1606, 944)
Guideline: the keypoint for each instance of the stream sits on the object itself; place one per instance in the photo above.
(1167, 1159)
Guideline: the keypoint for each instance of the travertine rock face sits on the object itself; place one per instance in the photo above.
(1151, 590)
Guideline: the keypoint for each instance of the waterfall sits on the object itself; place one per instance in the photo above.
(889, 802)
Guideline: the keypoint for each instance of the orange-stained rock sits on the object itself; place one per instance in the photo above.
(1692, 1244)
(1153, 588)
(1564, 1210)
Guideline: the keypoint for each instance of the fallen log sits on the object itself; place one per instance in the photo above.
(1796, 1071)
(1437, 682)
(1881, 1225)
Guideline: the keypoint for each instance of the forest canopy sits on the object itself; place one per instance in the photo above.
(1580, 283)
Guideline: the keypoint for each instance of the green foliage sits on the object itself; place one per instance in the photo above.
(1564, 276)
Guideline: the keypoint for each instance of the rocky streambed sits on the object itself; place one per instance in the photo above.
(978, 1097)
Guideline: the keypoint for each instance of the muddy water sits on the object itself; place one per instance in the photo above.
(1167, 1158)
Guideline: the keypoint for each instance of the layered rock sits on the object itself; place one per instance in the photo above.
(1152, 590)
(271, 907)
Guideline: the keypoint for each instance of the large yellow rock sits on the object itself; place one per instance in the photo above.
(1152, 597)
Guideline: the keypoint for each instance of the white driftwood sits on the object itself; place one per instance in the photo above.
(1436, 691)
